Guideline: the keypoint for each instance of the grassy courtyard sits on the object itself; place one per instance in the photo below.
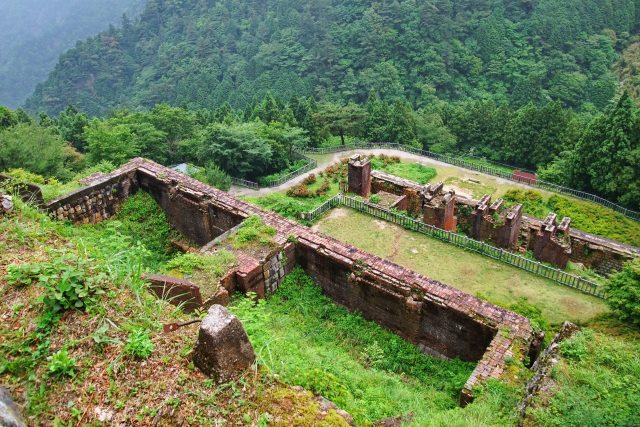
(467, 271)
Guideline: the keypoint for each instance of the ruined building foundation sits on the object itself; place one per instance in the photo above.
(549, 240)
(439, 319)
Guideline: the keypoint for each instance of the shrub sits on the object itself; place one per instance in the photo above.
(139, 344)
(323, 189)
(213, 175)
(623, 292)
(300, 190)
(375, 199)
(310, 180)
(61, 365)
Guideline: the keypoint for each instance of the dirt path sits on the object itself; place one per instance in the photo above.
(336, 157)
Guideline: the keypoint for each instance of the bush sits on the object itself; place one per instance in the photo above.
(213, 175)
(310, 180)
(300, 190)
(68, 283)
(323, 189)
(623, 292)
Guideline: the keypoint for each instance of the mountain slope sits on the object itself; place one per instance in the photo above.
(36, 32)
(204, 52)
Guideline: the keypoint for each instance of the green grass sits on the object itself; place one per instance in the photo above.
(585, 216)
(596, 383)
(307, 340)
(412, 171)
(467, 271)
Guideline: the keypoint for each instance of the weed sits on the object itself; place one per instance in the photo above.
(253, 230)
(61, 365)
(139, 344)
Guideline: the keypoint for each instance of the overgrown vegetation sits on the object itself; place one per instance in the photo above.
(584, 216)
(623, 292)
(595, 383)
(302, 336)
(252, 231)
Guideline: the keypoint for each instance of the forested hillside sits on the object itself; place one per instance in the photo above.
(36, 32)
(201, 53)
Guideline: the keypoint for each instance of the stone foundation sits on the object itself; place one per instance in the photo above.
(506, 228)
(439, 319)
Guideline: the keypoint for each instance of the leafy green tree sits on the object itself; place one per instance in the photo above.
(623, 292)
(113, 143)
(341, 119)
(71, 124)
(236, 148)
(535, 136)
(608, 154)
(213, 175)
(7, 118)
(37, 149)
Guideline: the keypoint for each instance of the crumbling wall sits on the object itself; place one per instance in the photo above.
(504, 227)
(99, 201)
(439, 319)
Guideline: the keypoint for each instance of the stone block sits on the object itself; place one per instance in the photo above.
(9, 414)
(223, 350)
(176, 291)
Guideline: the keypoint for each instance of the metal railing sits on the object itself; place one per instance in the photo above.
(515, 260)
(497, 171)
(310, 165)
(245, 183)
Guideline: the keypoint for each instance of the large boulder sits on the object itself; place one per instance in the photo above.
(223, 350)
(9, 414)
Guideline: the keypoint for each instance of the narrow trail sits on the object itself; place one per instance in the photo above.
(336, 157)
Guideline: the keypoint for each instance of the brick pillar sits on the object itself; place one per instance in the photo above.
(480, 227)
(360, 175)
(439, 208)
(550, 246)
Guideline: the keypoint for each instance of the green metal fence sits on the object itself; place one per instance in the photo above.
(462, 241)
(310, 165)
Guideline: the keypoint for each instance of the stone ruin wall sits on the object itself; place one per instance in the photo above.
(510, 229)
(439, 319)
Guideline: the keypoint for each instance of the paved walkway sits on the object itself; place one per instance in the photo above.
(336, 157)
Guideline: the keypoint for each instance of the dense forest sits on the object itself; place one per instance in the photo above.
(595, 152)
(202, 53)
(36, 32)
